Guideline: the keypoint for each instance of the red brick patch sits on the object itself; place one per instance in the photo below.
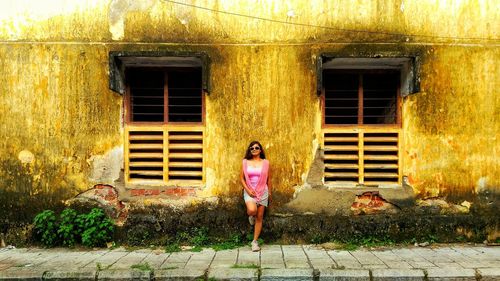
(369, 203)
(137, 192)
(174, 191)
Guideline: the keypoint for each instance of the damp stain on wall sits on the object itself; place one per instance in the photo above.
(55, 102)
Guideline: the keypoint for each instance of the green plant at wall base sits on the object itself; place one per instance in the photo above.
(196, 249)
(200, 237)
(431, 238)
(45, 225)
(96, 227)
(234, 241)
(92, 229)
(67, 230)
(172, 248)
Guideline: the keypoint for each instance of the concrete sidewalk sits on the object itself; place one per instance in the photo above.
(274, 262)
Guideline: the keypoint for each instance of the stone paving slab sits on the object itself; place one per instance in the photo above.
(4, 266)
(348, 265)
(179, 275)
(247, 257)
(173, 265)
(431, 255)
(365, 257)
(421, 264)
(272, 257)
(271, 248)
(273, 262)
(441, 274)
(224, 259)
(399, 265)
(88, 275)
(387, 256)
(374, 266)
(22, 274)
(273, 266)
(474, 264)
(201, 260)
(179, 257)
(89, 257)
(488, 274)
(229, 274)
(398, 274)
(290, 274)
(121, 274)
(129, 260)
(322, 263)
(313, 252)
(344, 275)
(295, 257)
(68, 260)
(409, 255)
(156, 259)
(106, 260)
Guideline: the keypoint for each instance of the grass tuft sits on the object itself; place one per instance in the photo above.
(142, 266)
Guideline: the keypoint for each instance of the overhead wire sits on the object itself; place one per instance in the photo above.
(403, 35)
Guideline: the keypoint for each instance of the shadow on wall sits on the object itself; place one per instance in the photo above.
(26, 190)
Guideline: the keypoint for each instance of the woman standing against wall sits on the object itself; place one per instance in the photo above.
(256, 188)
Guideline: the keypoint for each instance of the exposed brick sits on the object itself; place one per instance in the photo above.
(149, 192)
(110, 197)
(137, 192)
(179, 191)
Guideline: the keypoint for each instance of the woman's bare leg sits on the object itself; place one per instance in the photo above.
(251, 208)
(258, 222)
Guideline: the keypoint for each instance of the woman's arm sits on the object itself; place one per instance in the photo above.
(250, 191)
(269, 189)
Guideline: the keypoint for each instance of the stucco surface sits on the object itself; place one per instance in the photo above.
(56, 105)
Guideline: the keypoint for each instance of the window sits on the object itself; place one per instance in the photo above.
(164, 113)
(361, 126)
(165, 95)
(361, 97)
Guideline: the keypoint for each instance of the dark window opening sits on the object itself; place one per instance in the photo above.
(360, 97)
(146, 95)
(161, 95)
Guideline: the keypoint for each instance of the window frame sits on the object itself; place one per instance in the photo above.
(337, 139)
(166, 121)
(397, 124)
(172, 132)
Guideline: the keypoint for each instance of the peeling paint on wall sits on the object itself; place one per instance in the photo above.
(118, 10)
(106, 168)
(56, 105)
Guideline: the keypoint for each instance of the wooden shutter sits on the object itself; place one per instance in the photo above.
(144, 154)
(185, 155)
(341, 157)
(381, 158)
(164, 154)
(368, 156)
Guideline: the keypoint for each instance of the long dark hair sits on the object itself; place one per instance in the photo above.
(248, 154)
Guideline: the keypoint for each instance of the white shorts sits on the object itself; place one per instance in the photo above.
(264, 200)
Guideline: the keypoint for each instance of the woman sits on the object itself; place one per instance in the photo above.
(256, 187)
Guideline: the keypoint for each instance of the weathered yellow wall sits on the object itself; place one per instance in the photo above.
(55, 100)
(452, 127)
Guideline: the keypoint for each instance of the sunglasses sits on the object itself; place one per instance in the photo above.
(254, 148)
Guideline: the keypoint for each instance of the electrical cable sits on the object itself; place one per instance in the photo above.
(330, 28)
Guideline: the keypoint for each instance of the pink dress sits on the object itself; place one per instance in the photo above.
(256, 179)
